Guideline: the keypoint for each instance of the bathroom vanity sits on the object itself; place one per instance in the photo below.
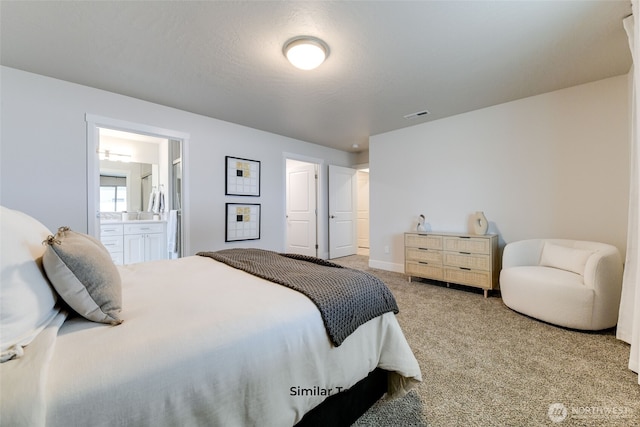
(130, 242)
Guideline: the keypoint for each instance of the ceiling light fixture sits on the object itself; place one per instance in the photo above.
(306, 52)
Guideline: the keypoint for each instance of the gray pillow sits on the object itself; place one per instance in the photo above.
(82, 272)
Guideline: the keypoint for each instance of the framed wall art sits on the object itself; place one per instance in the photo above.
(243, 221)
(242, 177)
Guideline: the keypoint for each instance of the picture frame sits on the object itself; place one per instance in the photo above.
(242, 221)
(242, 177)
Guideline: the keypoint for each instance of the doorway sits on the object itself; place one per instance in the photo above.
(343, 192)
(362, 177)
(157, 157)
(348, 211)
(302, 207)
(311, 234)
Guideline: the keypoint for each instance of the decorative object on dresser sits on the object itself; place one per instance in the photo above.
(480, 223)
(464, 259)
(423, 225)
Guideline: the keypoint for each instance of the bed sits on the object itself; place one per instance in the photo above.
(196, 342)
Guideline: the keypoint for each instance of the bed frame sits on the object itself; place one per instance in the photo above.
(344, 408)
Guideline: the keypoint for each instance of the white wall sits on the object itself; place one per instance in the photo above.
(553, 165)
(43, 158)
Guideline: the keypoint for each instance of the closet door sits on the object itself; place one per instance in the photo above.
(342, 211)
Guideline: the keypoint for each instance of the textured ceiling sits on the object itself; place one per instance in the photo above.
(388, 58)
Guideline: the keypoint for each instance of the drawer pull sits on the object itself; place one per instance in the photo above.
(109, 229)
(465, 253)
(464, 268)
(464, 237)
(422, 262)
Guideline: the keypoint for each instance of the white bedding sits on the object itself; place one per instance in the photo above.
(203, 344)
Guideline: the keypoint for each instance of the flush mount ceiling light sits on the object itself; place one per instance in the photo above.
(306, 52)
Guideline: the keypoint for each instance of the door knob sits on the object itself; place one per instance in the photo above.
(332, 216)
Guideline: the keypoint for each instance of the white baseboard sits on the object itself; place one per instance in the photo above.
(389, 266)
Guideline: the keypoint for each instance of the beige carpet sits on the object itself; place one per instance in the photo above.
(486, 365)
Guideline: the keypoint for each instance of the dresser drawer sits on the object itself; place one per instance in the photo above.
(419, 269)
(111, 230)
(480, 279)
(143, 228)
(425, 241)
(112, 243)
(425, 255)
(466, 260)
(467, 244)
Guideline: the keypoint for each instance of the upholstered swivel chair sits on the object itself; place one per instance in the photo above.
(570, 283)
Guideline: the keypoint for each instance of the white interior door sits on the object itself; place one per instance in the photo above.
(342, 211)
(301, 208)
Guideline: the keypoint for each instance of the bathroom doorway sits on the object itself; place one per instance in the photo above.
(152, 162)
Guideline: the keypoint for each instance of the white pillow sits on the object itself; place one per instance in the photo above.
(564, 258)
(27, 299)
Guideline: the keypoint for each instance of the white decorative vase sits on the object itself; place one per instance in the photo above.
(480, 223)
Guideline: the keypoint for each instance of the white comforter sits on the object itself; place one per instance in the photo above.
(203, 344)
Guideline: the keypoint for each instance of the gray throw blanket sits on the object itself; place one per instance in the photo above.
(346, 298)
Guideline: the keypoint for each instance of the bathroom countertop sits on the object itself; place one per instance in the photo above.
(129, 221)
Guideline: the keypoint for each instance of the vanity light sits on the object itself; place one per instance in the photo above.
(306, 52)
(114, 157)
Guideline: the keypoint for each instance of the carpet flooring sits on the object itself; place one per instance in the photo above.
(486, 365)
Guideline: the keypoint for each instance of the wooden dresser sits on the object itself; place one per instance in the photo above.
(465, 259)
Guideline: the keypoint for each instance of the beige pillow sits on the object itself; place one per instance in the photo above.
(81, 270)
(564, 258)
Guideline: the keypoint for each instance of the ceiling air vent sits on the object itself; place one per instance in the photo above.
(416, 115)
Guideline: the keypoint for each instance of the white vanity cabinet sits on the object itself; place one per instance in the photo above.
(111, 238)
(129, 242)
(144, 241)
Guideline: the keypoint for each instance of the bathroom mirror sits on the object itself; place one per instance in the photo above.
(126, 186)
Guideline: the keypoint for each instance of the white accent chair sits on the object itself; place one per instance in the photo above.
(570, 283)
